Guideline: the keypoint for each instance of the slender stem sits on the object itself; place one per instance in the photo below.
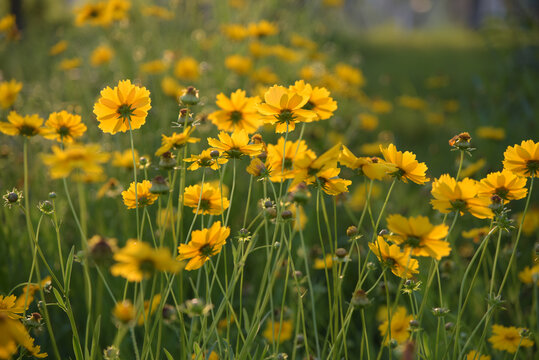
(134, 178)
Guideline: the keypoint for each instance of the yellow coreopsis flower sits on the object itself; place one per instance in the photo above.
(122, 108)
(138, 260)
(64, 127)
(319, 99)
(209, 202)
(278, 332)
(235, 32)
(372, 167)
(349, 74)
(284, 107)
(474, 355)
(235, 145)
(523, 159)
(70, 64)
(124, 312)
(418, 235)
(187, 69)
(412, 102)
(154, 67)
(124, 159)
(290, 151)
(14, 334)
(476, 233)
(451, 195)
(204, 244)
(101, 55)
(171, 87)
(505, 184)
(157, 11)
(491, 133)
(28, 125)
(75, 157)
(144, 196)
(58, 48)
(368, 122)
(237, 112)
(529, 274)
(508, 338)
(150, 306)
(204, 160)
(94, 14)
(400, 262)
(118, 9)
(325, 263)
(381, 106)
(8, 92)
(176, 141)
(264, 75)
(400, 322)
(239, 64)
(408, 168)
(331, 183)
(308, 165)
(262, 28)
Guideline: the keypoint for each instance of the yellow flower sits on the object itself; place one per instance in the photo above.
(8, 92)
(118, 9)
(171, 87)
(94, 14)
(262, 28)
(187, 68)
(371, 149)
(111, 188)
(101, 55)
(264, 75)
(85, 158)
(70, 64)
(473, 168)
(308, 165)
(331, 183)
(235, 145)
(491, 132)
(381, 106)
(372, 167)
(400, 322)
(239, 64)
(64, 127)
(474, 355)
(154, 67)
(326, 262)
(157, 11)
(451, 195)
(237, 112)
(211, 201)
(292, 150)
(29, 125)
(284, 53)
(368, 122)
(176, 141)
(122, 108)
(203, 245)
(359, 195)
(124, 159)
(295, 215)
(476, 233)
(204, 159)
(508, 338)
(124, 312)
(528, 275)
(7, 23)
(401, 262)
(284, 107)
(166, 217)
(419, 235)
(412, 102)
(349, 74)
(319, 100)
(437, 82)
(333, 3)
(278, 332)
(138, 260)
(145, 197)
(505, 184)
(303, 42)
(202, 356)
(531, 221)
(257, 49)
(451, 105)
(235, 31)
(13, 334)
(149, 308)
(408, 168)
(523, 159)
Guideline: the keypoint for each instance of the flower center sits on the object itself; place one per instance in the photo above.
(308, 106)
(285, 116)
(147, 266)
(63, 131)
(532, 166)
(234, 153)
(205, 204)
(236, 116)
(502, 192)
(28, 130)
(458, 205)
(142, 200)
(206, 250)
(125, 111)
(413, 241)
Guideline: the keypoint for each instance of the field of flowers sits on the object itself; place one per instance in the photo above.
(265, 180)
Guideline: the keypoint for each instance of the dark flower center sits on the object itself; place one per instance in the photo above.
(28, 130)
(125, 111)
(308, 106)
(532, 166)
(285, 116)
(236, 116)
(458, 205)
(63, 131)
(206, 250)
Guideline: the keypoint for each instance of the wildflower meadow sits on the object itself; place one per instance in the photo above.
(268, 180)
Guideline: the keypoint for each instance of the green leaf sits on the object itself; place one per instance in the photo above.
(59, 299)
(169, 357)
(68, 269)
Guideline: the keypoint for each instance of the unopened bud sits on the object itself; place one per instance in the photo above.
(159, 185)
(351, 231)
(341, 253)
(214, 154)
(190, 97)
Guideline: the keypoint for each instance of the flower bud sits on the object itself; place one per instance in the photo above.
(46, 207)
(449, 326)
(111, 353)
(159, 185)
(263, 156)
(52, 195)
(360, 299)
(440, 311)
(383, 232)
(190, 96)
(351, 231)
(341, 253)
(167, 161)
(414, 324)
(214, 154)
(286, 215)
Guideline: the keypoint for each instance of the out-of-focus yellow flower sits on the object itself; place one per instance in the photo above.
(165, 217)
(319, 99)
(157, 11)
(75, 157)
(94, 14)
(239, 64)
(9, 90)
(437, 82)
(203, 245)
(308, 165)
(505, 184)
(349, 74)
(529, 274)
(284, 53)
(70, 64)
(257, 49)
(419, 235)
(359, 195)
(412, 102)
(264, 75)
(474, 355)
(372, 167)
(138, 260)
(326, 262)
(435, 118)
(371, 149)
(531, 222)
(278, 332)
(111, 188)
(14, 334)
(150, 307)
(187, 68)
(122, 108)
(58, 48)
(491, 133)
(508, 338)
(290, 151)
(171, 87)
(408, 168)
(143, 195)
(124, 159)
(117, 9)
(64, 127)
(204, 160)
(368, 122)
(213, 355)
(381, 106)
(153, 67)
(7, 23)
(462, 196)
(101, 55)
(235, 32)
(400, 262)
(124, 312)
(303, 42)
(262, 28)
(523, 159)
(451, 106)
(235, 145)
(476, 233)
(333, 3)
(473, 168)
(237, 112)
(400, 322)
(176, 141)
(207, 199)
